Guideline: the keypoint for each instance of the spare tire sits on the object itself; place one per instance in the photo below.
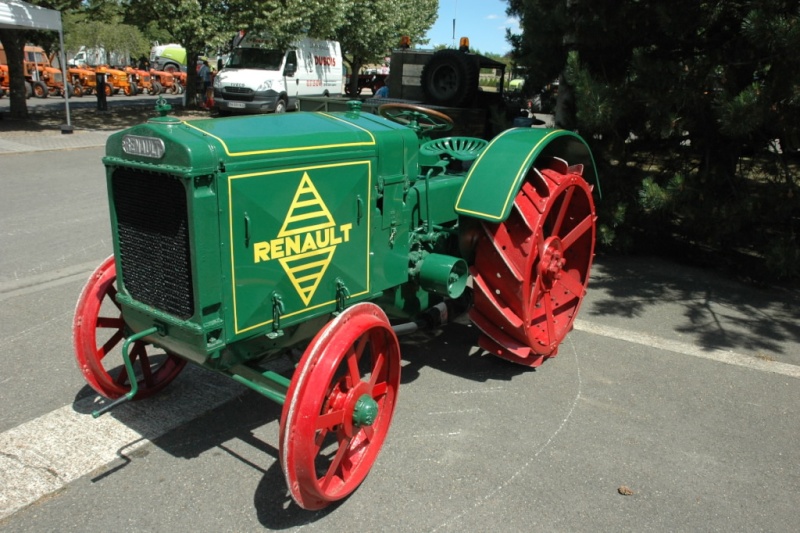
(450, 78)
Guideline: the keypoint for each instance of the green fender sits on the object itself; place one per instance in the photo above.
(496, 176)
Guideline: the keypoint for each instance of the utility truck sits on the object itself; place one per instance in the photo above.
(261, 78)
(168, 57)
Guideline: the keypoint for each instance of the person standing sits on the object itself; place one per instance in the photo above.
(204, 74)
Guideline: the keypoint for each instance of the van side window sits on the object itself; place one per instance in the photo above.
(291, 63)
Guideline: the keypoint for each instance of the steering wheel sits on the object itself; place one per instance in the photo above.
(418, 118)
(461, 148)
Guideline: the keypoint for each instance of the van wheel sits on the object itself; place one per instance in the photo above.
(280, 107)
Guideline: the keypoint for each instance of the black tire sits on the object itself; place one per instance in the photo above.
(280, 105)
(40, 90)
(2, 93)
(28, 90)
(156, 87)
(450, 78)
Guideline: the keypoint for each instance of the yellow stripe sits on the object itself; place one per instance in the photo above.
(295, 149)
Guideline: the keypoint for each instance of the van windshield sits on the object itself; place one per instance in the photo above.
(255, 58)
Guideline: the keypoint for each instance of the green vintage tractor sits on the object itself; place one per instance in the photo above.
(237, 240)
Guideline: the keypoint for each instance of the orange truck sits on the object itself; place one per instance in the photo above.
(44, 79)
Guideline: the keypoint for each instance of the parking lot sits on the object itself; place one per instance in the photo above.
(672, 406)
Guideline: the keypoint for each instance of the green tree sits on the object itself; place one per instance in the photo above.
(84, 29)
(14, 41)
(373, 27)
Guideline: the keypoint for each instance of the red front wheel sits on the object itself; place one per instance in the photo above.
(98, 331)
(339, 406)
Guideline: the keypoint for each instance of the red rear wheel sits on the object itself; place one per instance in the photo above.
(98, 332)
(339, 406)
(531, 271)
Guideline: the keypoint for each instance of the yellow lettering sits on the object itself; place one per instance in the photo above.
(309, 244)
(261, 251)
(292, 245)
(345, 229)
(277, 248)
(302, 243)
(323, 237)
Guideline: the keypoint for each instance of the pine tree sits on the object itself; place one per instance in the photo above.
(692, 109)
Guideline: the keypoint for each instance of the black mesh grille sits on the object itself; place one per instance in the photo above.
(153, 229)
(238, 93)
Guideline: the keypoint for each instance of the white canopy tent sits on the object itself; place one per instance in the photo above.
(19, 15)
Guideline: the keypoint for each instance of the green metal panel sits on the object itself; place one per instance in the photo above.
(496, 176)
(293, 233)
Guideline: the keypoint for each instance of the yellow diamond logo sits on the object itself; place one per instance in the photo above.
(306, 241)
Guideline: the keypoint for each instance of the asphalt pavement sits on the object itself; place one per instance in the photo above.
(672, 406)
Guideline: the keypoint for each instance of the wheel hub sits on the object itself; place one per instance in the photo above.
(365, 411)
(552, 262)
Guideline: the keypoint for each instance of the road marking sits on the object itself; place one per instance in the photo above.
(47, 280)
(42, 455)
(721, 356)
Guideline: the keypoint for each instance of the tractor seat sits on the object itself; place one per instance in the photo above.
(461, 148)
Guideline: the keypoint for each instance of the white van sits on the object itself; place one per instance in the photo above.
(260, 79)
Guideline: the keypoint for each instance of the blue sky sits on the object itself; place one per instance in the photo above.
(483, 21)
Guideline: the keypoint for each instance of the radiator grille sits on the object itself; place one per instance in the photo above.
(238, 93)
(153, 229)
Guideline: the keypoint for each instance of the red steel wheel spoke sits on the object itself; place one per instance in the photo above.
(376, 371)
(536, 295)
(341, 453)
(368, 432)
(379, 390)
(109, 345)
(330, 420)
(571, 284)
(123, 372)
(578, 231)
(144, 361)
(354, 373)
(112, 295)
(562, 212)
(110, 322)
(549, 317)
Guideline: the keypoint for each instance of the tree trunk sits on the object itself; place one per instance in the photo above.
(355, 68)
(193, 83)
(13, 42)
